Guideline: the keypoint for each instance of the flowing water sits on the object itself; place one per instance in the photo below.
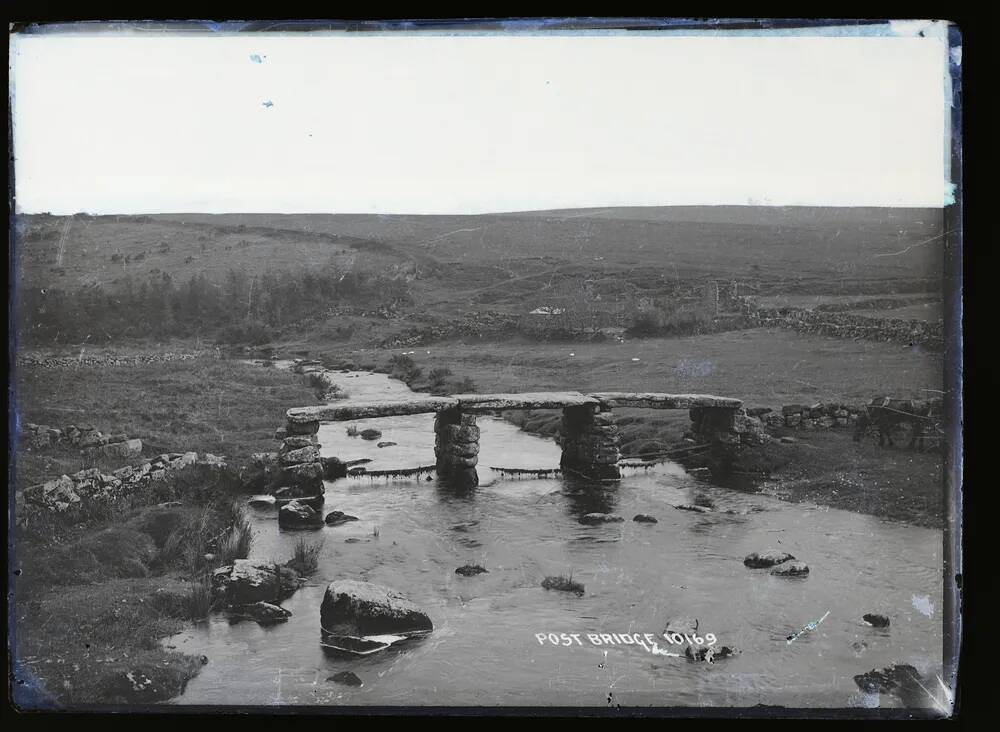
(485, 648)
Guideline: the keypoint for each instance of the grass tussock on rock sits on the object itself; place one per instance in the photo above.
(305, 557)
(563, 584)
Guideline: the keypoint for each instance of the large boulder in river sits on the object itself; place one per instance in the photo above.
(370, 434)
(363, 608)
(600, 518)
(245, 582)
(297, 515)
(791, 569)
(762, 560)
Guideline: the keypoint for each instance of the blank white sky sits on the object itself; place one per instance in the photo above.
(468, 124)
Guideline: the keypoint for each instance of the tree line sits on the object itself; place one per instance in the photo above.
(241, 308)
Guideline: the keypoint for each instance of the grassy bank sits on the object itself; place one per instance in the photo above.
(97, 588)
(206, 404)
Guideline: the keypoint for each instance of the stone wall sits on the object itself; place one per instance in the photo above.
(92, 441)
(856, 327)
(816, 416)
(68, 491)
(590, 442)
(320, 378)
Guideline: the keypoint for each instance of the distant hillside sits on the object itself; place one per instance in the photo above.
(823, 246)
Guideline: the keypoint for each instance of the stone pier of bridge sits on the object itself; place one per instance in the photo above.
(589, 436)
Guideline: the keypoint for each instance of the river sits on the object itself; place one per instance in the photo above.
(485, 648)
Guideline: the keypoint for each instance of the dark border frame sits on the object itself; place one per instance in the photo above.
(954, 222)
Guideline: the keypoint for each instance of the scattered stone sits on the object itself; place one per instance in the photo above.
(758, 560)
(360, 609)
(600, 518)
(788, 439)
(370, 434)
(261, 501)
(876, 620)
(644, 518)
(122, 450)
(336, 518)
(297, 515)
(386, 444)
(470, 570)
(696, 509)
(791, 569)
(347, 678)
(263, 612)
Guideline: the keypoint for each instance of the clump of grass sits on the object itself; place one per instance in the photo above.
(375, 531)
(352, 431)
(305, 557)
(198, 601)
(236, 543)
(566, 584)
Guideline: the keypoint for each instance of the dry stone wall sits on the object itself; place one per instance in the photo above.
(92, 442)
(68, 491)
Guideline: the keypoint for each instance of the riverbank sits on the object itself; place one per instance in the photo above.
(98, 586)
(763, 367)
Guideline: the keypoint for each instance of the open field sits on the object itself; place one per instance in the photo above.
(765, 367)
(464, 254)
(206, 405)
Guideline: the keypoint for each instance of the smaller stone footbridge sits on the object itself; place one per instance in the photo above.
(588, 432)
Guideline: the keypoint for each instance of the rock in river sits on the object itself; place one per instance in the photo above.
(600, 518)
(336, 518)
(370, 434)
(470, 570)
(245, 582)
(876, 620)
(762, 560)
(297, 515)
(264, 613)
(358, 609)
(644, 518)
(791, 569)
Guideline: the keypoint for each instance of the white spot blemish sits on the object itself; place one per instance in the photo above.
(923, 604)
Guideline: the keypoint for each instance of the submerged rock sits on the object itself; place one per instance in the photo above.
(709, 654)
(876, 620)
(347, 678)
(386, 444)
(470, 570)
(600, 518)
(696, 509)
(264, 613)
(336, 518)
(359, 609)
(644, 518)
(791, 569)
(684, 626)
(762, 560)
(245, 582)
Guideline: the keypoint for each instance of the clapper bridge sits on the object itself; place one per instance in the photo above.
(588, 433)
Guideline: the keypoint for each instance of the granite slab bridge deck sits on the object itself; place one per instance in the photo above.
(347, 410)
